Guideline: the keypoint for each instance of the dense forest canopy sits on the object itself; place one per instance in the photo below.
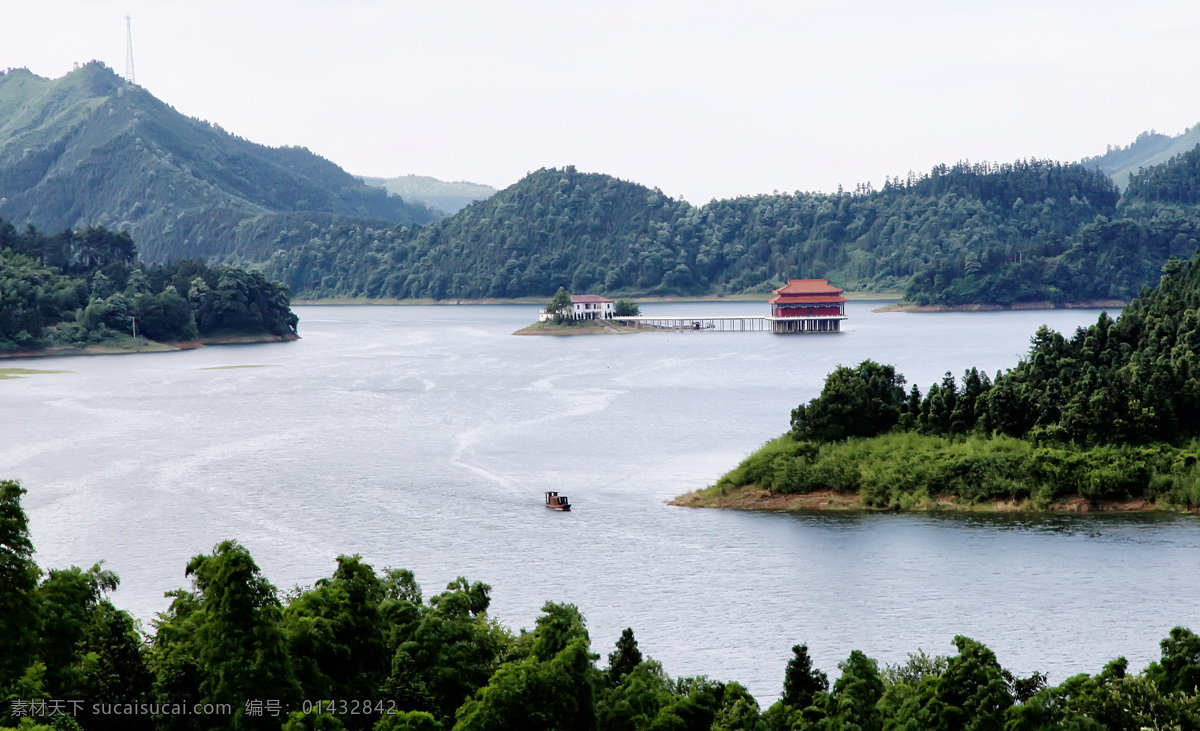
(90, 149)
(1110, 413)
(1175, 181)
(365, 649)
(1031, 230)
(86, 287)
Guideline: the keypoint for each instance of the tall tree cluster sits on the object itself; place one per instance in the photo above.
(85, 287)
(363, 649)
(1134, 380)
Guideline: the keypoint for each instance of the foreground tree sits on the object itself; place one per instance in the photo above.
(560, 306)
(625, 658)
(19, 626)
(551, 689)
(225, 643)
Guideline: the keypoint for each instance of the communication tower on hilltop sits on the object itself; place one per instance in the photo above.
(129, 50)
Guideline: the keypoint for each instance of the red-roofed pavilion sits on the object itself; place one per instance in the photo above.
(808, 305)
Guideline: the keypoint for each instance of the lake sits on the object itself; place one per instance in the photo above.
(424, 437)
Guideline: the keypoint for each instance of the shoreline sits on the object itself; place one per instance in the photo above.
(758, 499)
(1097, 304)
(753, 297)
(591, 327)
(129, 347)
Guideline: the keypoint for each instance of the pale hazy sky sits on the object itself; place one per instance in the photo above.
(702, 99)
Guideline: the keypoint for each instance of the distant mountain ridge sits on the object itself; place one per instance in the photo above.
(89, 149)
(1149, 149)
(444, 196)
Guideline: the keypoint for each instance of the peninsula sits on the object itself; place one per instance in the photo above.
(84, 292)
(1105, 420)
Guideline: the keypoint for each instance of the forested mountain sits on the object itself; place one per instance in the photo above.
(437, 194)
(86, 287)
(365, 649)
(1026, 231)
(1149, 149)
(88, 149)
(1175, 181)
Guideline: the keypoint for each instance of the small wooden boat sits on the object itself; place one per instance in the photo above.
(554, 501)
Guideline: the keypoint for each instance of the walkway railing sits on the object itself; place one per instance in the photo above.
(737, 323)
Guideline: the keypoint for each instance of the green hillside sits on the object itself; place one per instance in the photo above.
(1009, 233)
(1149, 149)
(88, 149)
(1176, 181)
(86, 288)
(437, 194)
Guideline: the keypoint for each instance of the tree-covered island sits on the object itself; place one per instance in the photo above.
(84, 291)
(1108, 418)
(365, 649)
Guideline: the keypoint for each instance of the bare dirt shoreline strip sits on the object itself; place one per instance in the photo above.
(146, 346)
(1044, 305)
(755, 498)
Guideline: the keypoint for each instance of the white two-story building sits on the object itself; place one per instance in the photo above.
(586, 307)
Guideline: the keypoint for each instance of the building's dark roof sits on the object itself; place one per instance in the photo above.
(578, 299)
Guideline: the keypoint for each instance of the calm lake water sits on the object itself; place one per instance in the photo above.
(423, 437)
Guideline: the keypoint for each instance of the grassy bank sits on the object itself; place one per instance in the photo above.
(6, 373)
(910, 471)
(577, 327)
(123, 344)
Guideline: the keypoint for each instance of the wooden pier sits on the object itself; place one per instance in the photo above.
(737, 323)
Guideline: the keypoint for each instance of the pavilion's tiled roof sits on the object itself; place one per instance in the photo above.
(808, 286)
(806, 299)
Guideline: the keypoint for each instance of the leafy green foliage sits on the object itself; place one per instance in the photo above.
(83, 287)
(560, 306)
(231, 630)
(856, 695)
(1175, 181)
(582, 231)
(19, 626)
(626, 308)
(625, 658)
(801, 681)
(855, 402)
(231, 640)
